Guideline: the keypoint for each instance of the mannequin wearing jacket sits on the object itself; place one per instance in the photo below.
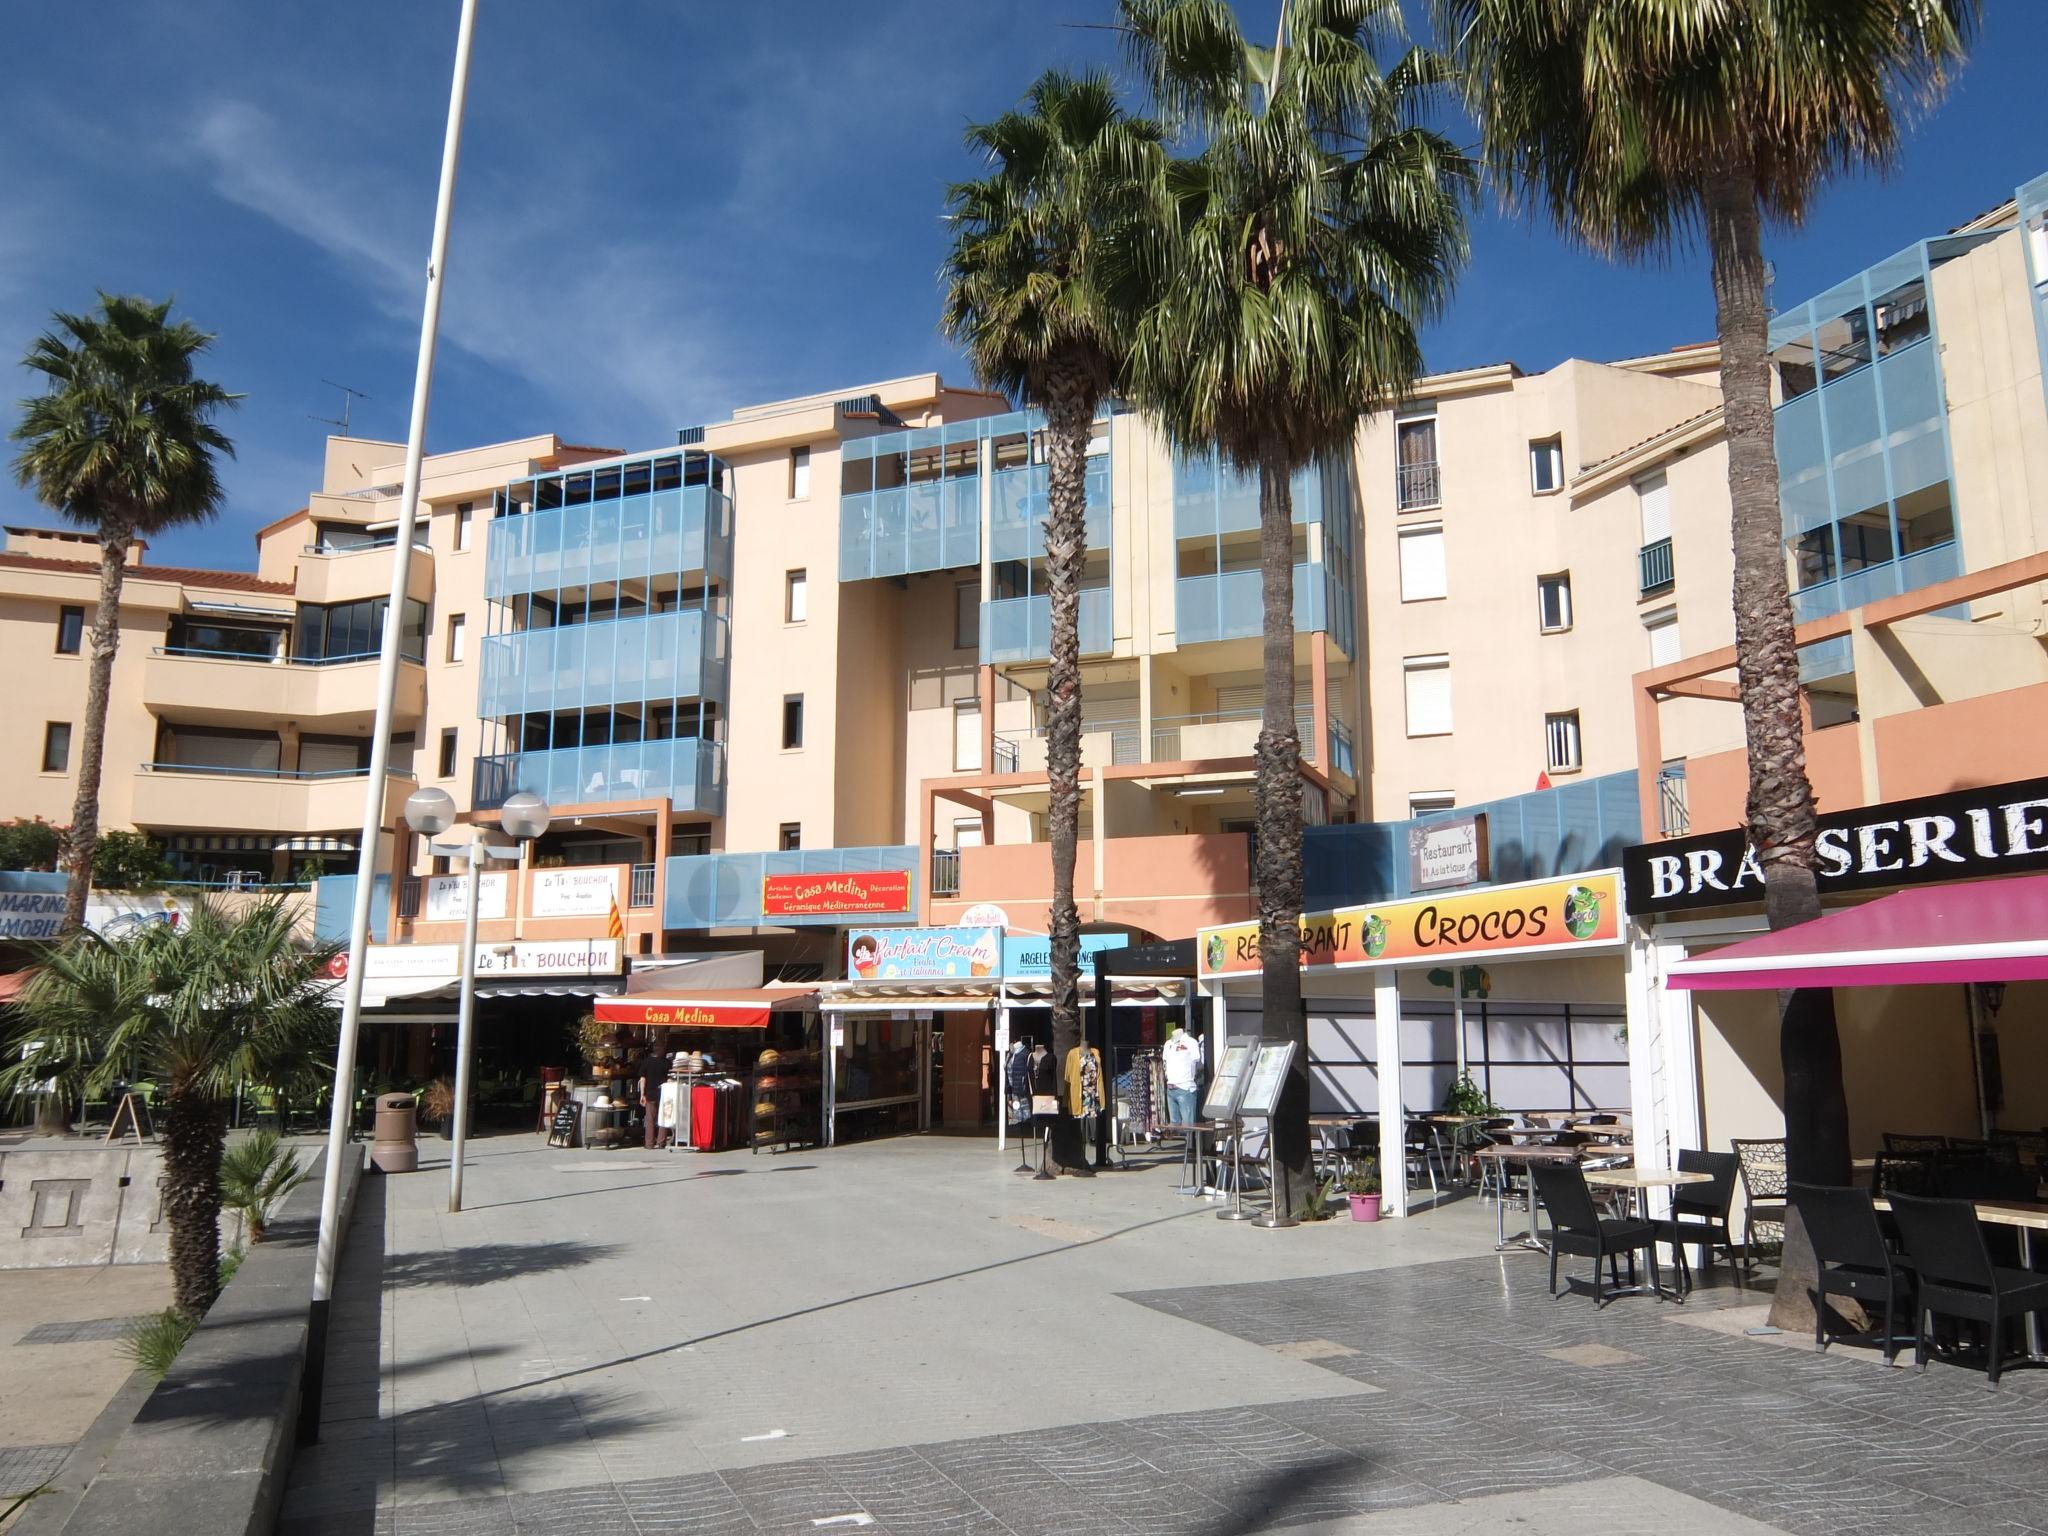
(1017, 1083)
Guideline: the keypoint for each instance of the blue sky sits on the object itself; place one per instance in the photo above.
(668, 209)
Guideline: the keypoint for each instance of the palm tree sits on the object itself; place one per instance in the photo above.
(1317, 224)
(1636, 126)
(224, 998)
(1024, 296)
(121, 442)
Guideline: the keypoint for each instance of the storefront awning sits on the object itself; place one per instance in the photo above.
(728, 1008)
(1987, 930)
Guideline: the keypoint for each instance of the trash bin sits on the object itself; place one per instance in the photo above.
(395, 1148)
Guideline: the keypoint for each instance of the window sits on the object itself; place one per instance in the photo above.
(1864, 539)
(1925, 529)
(458, 627)
(790, 837)
(967, 832)
(1554, 602)
(792, 721)
(353, 631)
(1843, 343)
(1546, 465)
(1426, 681)
(967, 737)
(1662, 629)
(448, 740)
(1813, 557)
(1794, 361)
(1422, 562)
(966, 615)
(1416, 482)
(70, 630)
(1653, 506)
(1903, 318)
(464, 516)
(57, 746)
(1422, 802)
(796, 597)
(799, 473)
(1561, 741)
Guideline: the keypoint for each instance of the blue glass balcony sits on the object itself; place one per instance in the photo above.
(1230, 606)
(934, 525)
(1019, 629)
(723, 890)
(679, 655)
(1920, 569)
(1018, 506)
(659, 532)
(686, 770)
(1210, 498)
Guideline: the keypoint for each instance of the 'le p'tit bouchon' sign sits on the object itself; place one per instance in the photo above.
(2001, 829)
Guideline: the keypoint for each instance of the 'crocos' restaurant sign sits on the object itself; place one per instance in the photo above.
(885, 890)
(1999, 830)
(1535, 918)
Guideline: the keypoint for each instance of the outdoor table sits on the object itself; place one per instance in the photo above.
(1528, 1237)
(606, 1120)
(1444, 1122)
(1642, 1181)
(2027, 1217)
(1323, 1125)
(1191, 1159)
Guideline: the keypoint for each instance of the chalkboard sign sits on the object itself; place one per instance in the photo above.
(568, 1119)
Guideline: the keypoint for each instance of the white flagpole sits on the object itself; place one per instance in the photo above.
(380, 748)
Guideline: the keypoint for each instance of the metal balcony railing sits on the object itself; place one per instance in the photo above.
(1672, 815)
(409, 896)
(945, 872)
(1655, 568)
(1418, 485)
(640, 892)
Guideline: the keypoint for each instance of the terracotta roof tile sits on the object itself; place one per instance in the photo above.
(235, 581)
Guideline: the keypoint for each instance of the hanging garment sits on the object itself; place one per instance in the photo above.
(665, 1116)
(1017, 1082)
(1084, 1061)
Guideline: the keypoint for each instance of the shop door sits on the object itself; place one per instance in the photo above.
(964, 1069)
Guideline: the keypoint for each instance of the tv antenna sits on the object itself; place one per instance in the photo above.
(349, 396)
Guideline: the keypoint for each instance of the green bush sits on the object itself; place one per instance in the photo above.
(256, 1173)
(30, 844)
(128, 861)
(156, 1340)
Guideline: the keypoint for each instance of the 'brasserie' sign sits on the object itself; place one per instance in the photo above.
(2001, 829)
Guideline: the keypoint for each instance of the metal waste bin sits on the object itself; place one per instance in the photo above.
(396, 1147)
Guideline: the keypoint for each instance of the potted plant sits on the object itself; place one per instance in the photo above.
(437, 1107)
(1362, 1190)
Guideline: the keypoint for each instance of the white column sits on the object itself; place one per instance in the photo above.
(1002, 1067)
(1219, 1021)
(1386, 1016)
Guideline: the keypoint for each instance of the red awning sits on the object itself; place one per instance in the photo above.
(733, 1008)
(1987, 930)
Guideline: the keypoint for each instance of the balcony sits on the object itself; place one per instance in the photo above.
(1417, 486)
(1019, 629)
(1654, 570)
(1210, 499)
(353, 573)
(684, 529)
(934, 525)
(1231, 605)
(222, 688)
(1853, 589)
(195, 798)
(533, 903)
(1168, 885)
(1018, 506)
(676, 655)
(686, 770)
(1211, 737)
(723, 890)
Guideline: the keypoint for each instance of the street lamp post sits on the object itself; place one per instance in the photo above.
(430, 812)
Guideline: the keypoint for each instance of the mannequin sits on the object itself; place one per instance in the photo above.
(1043, 1072)
(1182, 1057)
(1017, 1089)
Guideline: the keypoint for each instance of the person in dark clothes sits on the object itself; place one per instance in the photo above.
(652, 1072)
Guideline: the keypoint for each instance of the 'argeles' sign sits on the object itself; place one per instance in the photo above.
(2001, 829)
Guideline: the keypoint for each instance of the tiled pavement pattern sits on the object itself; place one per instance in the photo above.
(23, 1467)
(1485, 1387)
(91, 1331)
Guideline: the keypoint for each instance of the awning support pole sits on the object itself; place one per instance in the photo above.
(1386, 1014)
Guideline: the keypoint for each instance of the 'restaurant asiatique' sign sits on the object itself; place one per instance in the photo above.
(2000, 829)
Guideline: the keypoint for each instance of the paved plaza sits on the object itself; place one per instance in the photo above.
(906, 1337)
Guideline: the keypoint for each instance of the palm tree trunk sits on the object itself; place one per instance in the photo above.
(85, 810)
(1781, 813)
(1279, 819)
(1069, 413)
(194, 1131)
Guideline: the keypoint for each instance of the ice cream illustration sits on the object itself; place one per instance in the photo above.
(986, 954)
(865, 953)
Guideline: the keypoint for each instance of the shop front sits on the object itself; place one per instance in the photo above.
(738, 1066)
(1519, 987)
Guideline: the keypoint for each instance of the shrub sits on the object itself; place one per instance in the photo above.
(256, 1173)
(156, 1340)
(128, 861)
(30, 844)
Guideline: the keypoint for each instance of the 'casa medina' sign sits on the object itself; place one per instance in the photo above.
(2001, 829)
(833, 895)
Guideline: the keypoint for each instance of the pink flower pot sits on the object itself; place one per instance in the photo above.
(1364, 1207)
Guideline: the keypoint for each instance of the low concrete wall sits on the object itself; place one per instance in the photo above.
(62, 1207)
(211, 1447)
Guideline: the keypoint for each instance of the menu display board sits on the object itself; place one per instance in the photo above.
(1227, 1087)
(1268, 1076)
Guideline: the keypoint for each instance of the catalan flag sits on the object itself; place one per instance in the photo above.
(615, 926)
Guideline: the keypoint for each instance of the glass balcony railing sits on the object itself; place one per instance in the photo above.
(1209, 498)
(654, 533)
(686, 770)
(934, 525)
(1654, 570)
(679, 655)
(1018, 506)
(723, 890)
(1016, 629)
(1231, 606)
(1922, 568)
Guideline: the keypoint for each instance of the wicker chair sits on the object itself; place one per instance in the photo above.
(1764, 1194)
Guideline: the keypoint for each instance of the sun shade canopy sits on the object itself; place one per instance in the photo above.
(1987, 930)
(731, 1008)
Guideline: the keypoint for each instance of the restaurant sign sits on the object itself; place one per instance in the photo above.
(529, 957)
(848, 894)
(1537, 917)
(924, 954)
(678, 1014)
(1447, 853)
(2001, 829)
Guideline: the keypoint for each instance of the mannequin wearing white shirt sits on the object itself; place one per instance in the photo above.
(1182, 1059)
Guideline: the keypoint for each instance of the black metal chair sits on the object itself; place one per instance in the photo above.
(1578, 1228)
(1763, 1191)
(1699, 1212)
(1908, 1173)
(1957, 1277)
(1894, 1141)
(1852, 1257)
